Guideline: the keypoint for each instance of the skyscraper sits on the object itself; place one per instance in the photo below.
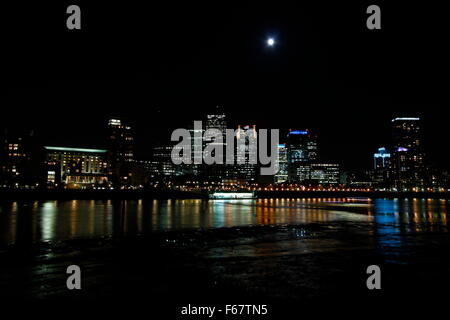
(282, 164)
(196, 167)
(121, 152)
(301, 150)
(246, 153)
(381, 159)
(381, 167)
(165, 169)
(407, 154)
(216, 121)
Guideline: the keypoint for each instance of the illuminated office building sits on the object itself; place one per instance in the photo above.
(407, 160)
(381, 167)
(324, 173)
(17, 165)
(318, 173)
(196, 167)
(78, 168)
(120, 152)
(381, 159)
(301, 150)
(216, 121)
(303, 173)
(246, 153)
(282, 164)
(162, 166)
(311, 147)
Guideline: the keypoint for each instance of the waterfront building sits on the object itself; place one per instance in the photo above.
(196, 167)
(316, 173)
(304, 172)
(407, 161)
(381, 159)
(325, 173)
(301, 150)
(357, 178)
(246, 154)
(217, 121)
(282, 164)
(78, 168)
(381, 167)
(161, 166)
(120, 152)
(18, 168)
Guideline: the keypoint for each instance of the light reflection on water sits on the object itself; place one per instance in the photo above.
(25, 222)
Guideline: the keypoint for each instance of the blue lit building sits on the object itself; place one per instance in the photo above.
(381, 168)
(381, 159)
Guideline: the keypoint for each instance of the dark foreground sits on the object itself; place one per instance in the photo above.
(291, 269)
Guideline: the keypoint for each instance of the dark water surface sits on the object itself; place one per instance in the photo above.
(390, 219)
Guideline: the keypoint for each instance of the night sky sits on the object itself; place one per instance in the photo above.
(164, 65)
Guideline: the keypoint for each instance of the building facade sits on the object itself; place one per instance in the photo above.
(407, 160)
(75, 168)
(120, 153)
(282, 164)
(216, 121)
(245, 167)
(382, 168)
(19, 167)
(301, 151)
(325, 173)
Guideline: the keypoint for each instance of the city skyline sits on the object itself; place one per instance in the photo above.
(90, 140)
(357, 134)
(400, 166)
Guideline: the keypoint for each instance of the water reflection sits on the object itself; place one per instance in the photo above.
(399, 223)
(389, 220)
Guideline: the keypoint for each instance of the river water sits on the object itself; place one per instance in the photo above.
(41, 221)
(309, 249)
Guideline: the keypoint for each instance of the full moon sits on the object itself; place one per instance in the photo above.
(270, 42)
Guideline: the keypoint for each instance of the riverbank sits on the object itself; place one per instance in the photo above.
(177, 194)
(289, 268)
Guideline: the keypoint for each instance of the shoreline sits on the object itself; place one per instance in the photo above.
(216, 267)
(176, 194)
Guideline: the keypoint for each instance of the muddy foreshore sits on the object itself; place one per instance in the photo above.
(289, 268)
